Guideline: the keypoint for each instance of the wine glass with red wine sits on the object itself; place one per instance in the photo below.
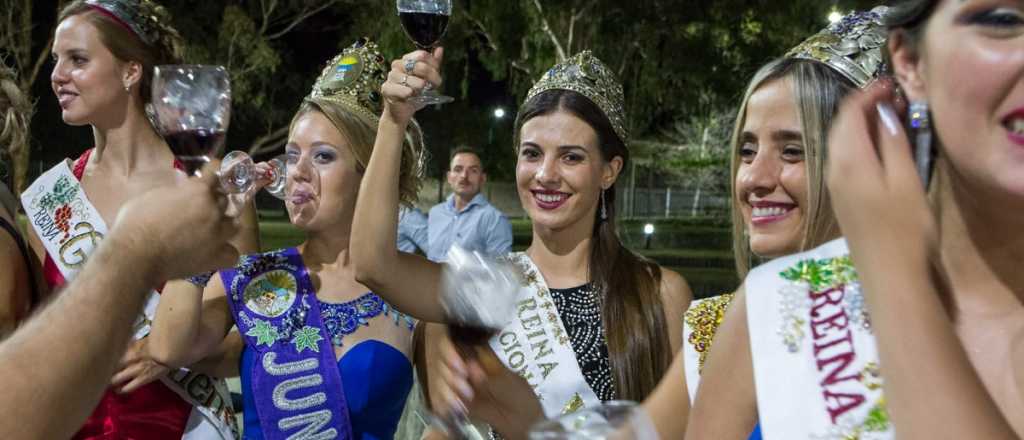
(425, 22)
(478, 295)
(191, 108)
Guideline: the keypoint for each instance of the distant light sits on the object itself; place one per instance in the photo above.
(834, 16)
(648, 229)
(499, 113)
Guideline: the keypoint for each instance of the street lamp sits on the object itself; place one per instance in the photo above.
(648, 232)
(499, 113)
(834, 16)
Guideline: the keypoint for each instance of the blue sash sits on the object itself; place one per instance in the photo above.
(295, 379)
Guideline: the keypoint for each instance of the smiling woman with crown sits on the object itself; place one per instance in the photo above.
(104, 52)
(833, 344)
(324, 357)
(780, 206)
(595, 321)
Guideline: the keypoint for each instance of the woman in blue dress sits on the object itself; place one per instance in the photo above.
(323, 356)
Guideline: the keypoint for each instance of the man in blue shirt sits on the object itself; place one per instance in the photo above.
(466, 217)
(412, 230)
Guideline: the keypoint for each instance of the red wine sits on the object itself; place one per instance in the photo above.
(425, 29)
(194, 147)
(465, 338)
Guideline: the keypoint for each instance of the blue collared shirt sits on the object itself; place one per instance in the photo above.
(478, 227)
(412, 230)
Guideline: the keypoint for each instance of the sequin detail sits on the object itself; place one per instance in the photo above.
(312, 422)
(288, 368)
(818, 275)
(281, 400)
(200, 280)
(580, 309)
(705, 318)
(344, 319)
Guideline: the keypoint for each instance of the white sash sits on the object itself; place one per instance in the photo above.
(815, 359)
(536, 345)
(70, 228)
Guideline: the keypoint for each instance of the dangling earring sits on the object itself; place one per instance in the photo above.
(920, 123)
(604, 207)
(127, 88)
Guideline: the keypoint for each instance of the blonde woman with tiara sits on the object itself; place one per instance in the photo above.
(912, 325)
(324, 356)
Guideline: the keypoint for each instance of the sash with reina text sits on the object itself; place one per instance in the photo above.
(70, 229)
(815, 359)
(295, 379)
(536, 346)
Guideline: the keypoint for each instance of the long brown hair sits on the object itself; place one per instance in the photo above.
(126, 46)
(632, 309)
(818, 90)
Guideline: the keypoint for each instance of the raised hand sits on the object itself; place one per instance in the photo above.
(876, 192)
(409, 77)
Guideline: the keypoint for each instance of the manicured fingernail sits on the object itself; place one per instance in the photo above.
(465, 390)
(888, 117)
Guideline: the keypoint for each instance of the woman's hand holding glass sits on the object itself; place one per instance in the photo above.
(481, 387)
(404, 83)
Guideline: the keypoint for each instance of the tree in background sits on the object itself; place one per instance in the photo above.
(677, 58)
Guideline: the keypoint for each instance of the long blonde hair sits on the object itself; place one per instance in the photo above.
(361, 132)
(818, 90)
(15, 111)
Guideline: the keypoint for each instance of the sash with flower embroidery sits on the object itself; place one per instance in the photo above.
(70, 229)
(815, 359)
(295, 379)
(536, 345)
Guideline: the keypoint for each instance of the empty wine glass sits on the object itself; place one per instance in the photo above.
(425, 22)
(191, 107)
(615, 419)
(238, 174)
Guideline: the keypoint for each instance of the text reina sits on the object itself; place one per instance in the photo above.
(538, 341)
(834, 352)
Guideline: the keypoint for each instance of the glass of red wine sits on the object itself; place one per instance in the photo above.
(425, 22)
(478, 295)
(191, 108)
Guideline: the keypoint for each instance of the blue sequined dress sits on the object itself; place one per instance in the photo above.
(376, 376)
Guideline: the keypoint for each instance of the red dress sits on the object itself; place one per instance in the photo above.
(151, 412)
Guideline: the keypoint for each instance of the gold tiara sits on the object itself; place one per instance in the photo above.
(585, 74)
(353, 79)
(852, 46)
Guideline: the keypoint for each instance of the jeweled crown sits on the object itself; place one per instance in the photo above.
(852, 46)
(141, 16)
(353, 79)
(583, 73)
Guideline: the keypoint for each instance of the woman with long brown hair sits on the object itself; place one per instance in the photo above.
(596, 322)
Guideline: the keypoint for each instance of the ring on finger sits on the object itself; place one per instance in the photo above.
(410, 64)
(405, 81)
